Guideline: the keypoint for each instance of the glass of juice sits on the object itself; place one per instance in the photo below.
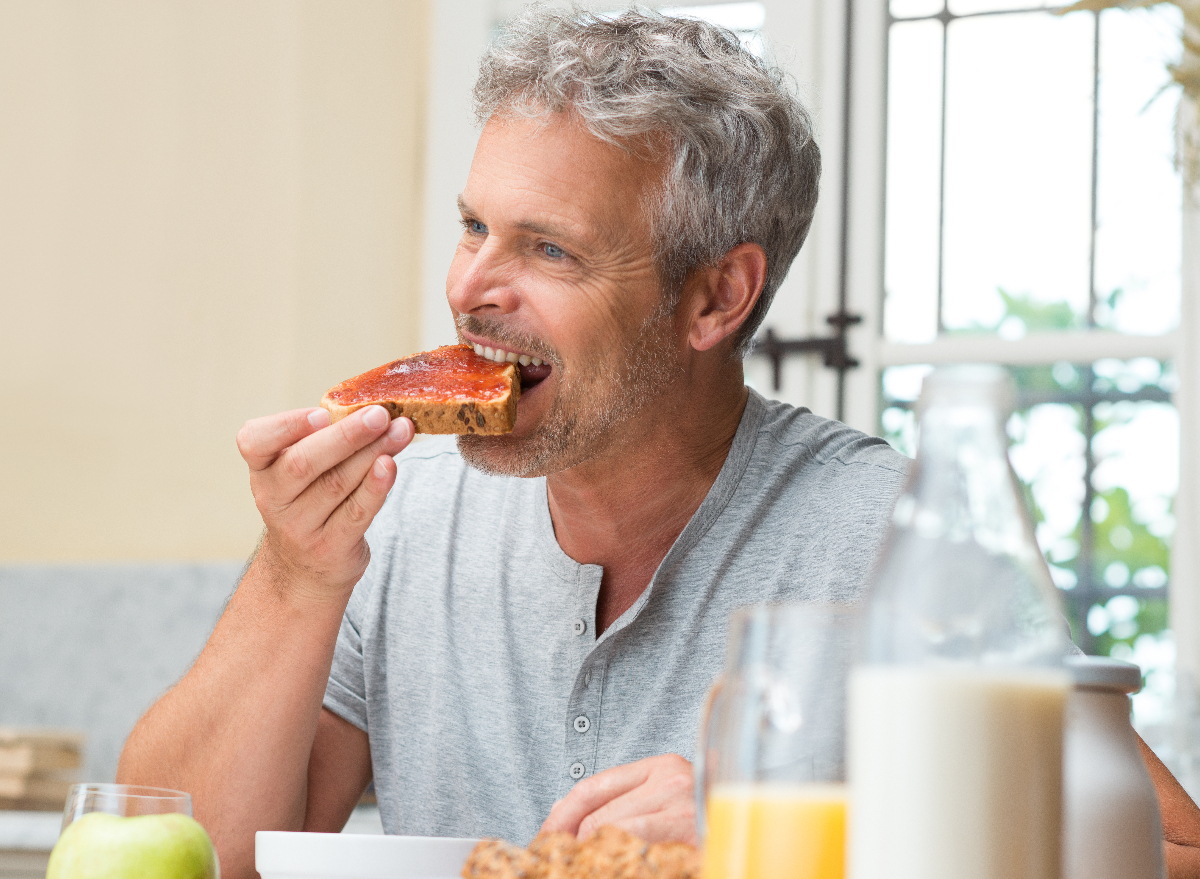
(771, 763)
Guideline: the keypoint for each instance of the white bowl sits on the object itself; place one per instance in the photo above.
(283, 855)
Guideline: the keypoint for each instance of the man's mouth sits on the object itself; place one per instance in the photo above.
(533, 369)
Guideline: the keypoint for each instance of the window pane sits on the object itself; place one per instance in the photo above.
(914, 8)
(970, 7)
(1018, 164)
(913, 180)
(747, 16)
(746, 19)
(1137, 240)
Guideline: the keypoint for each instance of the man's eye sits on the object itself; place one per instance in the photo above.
(475, 227)
(553, 251)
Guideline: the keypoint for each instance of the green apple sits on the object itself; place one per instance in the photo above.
(101, 846)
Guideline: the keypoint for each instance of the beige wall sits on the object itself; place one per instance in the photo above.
(208, 211)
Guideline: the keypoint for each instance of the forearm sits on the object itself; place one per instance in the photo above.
(1183, 861)
(1180, 818)
(238, 729)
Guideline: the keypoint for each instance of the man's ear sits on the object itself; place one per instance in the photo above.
(724, 295)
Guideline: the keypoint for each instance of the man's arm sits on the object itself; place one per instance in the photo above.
(244, 732)
(338, 772)
(1180, 818)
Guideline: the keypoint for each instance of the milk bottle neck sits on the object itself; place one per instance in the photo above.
(948, 430)
(962, 578)
(963, 489)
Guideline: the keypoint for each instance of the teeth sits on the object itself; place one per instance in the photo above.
(499, 355)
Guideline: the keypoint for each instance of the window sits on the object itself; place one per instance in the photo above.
(745, 19)
(1032, 218)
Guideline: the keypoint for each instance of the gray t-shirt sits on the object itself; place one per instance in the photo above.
(468, 650)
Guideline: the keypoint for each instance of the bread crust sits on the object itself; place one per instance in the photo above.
(459, 413)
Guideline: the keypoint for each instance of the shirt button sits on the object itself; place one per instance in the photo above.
(577, 770)
(582, 724)
(579, 627)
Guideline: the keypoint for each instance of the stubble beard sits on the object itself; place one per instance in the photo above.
(589, 403)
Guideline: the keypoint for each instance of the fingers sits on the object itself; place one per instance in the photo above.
(299, 488)
(661, 809)
(318, 486)
(354, 514)
(651, 798)
(301, 463)
(318, 504)
(674, 824)
(593, 793)
(261, 440)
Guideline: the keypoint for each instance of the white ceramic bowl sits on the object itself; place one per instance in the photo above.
(283, 855)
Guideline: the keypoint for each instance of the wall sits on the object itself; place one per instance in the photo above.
(91, 647)
(208, 211)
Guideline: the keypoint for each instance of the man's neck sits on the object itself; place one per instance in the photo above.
(624, 509)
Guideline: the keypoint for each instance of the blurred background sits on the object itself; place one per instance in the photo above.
(211, 211)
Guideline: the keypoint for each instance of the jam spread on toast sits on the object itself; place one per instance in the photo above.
(449, 374)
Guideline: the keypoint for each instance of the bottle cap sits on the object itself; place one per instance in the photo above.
(968, 384)
(1102, 673)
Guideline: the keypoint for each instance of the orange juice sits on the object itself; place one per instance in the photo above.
(776, 831)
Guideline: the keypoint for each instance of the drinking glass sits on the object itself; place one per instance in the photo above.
(126, 800)
(771, 762)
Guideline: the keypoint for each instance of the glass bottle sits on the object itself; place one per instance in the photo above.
(956, 706)
(1112, 825)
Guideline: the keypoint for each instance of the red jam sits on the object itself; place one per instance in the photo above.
(451, 373)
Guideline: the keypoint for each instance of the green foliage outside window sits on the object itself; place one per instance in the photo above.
(1125, 556)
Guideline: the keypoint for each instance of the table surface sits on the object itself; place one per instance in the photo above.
(38, 831)
(29, 831)
(20, 864)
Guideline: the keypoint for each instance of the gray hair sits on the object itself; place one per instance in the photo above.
(744, 165)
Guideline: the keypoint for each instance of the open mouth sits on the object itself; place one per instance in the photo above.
(533, 370)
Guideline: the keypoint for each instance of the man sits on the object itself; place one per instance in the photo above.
(517, 633)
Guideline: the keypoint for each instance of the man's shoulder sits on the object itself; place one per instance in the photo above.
(795, 437)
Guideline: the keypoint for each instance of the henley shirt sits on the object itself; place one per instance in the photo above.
(468, 651)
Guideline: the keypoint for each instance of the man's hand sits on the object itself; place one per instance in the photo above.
(651, 798)
(317, 488)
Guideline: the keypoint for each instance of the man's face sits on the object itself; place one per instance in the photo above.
(556, 263)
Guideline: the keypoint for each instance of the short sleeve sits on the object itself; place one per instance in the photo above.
(346, 691)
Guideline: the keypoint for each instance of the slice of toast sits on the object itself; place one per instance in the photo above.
(611, 853)
(447, 390)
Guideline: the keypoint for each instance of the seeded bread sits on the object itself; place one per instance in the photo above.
(448, 390)
(612, 853)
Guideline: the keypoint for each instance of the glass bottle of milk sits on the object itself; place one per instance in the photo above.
(956, 707)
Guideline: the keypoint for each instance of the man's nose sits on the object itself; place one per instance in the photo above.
(482, 282)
